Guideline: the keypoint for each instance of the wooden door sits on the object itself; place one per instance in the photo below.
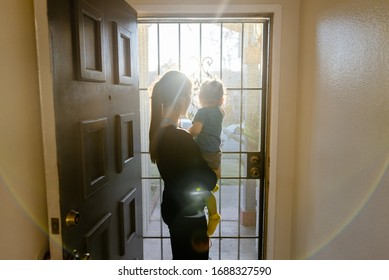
(96, 103)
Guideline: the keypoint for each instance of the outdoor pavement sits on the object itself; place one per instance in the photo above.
(225, 244)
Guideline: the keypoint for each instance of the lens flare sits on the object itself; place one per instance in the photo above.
(19, 201)
(371, 190)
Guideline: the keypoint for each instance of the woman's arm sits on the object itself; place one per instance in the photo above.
(196, 168)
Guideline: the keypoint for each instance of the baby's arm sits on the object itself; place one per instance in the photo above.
(196, 128)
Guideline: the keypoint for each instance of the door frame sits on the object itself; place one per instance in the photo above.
(275, 13)
(221, 23)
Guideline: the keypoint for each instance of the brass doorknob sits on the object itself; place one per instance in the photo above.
(73, 218)
(86, 257)
(76, 256)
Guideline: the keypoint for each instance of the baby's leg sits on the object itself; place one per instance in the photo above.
(213, 215)
(211, 204)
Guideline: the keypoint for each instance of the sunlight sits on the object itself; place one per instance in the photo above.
(196, 43)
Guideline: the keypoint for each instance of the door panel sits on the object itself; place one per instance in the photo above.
(96, 102)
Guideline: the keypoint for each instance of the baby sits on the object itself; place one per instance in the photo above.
(206, 130)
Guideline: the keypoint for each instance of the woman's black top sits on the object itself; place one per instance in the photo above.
(187, 178)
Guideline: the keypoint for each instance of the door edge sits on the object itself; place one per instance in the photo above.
(45, 80)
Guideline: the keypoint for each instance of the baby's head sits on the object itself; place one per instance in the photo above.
(211, 93)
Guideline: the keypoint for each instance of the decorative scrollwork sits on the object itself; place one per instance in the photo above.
(204, 66)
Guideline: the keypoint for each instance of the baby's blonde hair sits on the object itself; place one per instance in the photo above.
(212, 90)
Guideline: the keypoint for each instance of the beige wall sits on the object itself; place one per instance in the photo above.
(342, 178)
(22, 187)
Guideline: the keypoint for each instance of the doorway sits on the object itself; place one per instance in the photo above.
(234, 50)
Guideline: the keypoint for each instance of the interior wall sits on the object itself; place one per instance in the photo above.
(342, 177)
(22, 186)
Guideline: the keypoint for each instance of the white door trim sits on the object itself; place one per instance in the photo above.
(48, 125)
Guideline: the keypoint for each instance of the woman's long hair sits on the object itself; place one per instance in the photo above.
(165, 92)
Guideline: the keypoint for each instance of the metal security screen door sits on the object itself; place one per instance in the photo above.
(234, 50)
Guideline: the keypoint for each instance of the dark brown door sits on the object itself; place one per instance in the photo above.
(96, 102)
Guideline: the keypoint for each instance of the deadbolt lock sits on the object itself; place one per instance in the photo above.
(254, 165)
(254, 159)
(72, 218)
(254, 172)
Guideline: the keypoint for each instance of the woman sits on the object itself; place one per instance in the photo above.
(188, 179)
